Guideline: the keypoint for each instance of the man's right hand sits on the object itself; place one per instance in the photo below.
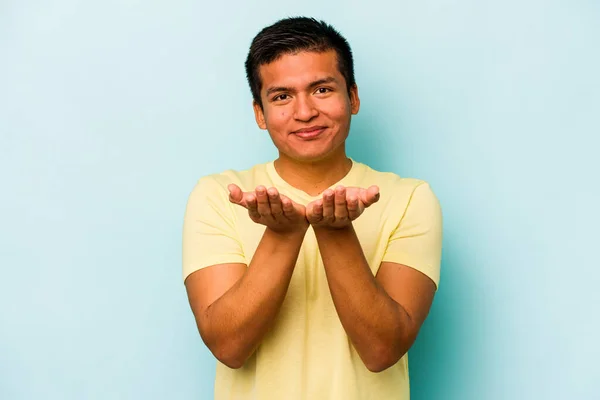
(270, 208)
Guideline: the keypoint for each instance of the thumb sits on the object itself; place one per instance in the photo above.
(370, 195)
(235, 193)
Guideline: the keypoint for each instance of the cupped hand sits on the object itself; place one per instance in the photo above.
(338, 208)
(270, 208)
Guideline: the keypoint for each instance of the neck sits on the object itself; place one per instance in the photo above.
(313, 177)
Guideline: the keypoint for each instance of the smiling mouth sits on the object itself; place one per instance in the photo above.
(309, 133)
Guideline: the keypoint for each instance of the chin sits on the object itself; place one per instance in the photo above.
(312, 154)
(311, 157)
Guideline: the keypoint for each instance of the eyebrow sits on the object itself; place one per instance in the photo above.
(318, 82)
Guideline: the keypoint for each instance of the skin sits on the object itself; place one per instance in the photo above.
(300, 91)
(235, 304)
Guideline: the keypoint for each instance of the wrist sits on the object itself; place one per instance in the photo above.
(325, 230)
(288, 234)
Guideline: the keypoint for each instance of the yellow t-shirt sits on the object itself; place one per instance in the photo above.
(307, 354)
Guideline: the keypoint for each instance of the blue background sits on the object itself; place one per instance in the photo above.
(110, 111)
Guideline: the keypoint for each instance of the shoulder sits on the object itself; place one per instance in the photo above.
(402, 195)
(394, 185)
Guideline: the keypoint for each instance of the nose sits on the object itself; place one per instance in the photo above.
(305, 109)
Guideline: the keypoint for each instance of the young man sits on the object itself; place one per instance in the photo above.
(310, 276)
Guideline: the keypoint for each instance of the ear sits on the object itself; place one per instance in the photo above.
(354, 99)
(259, 115)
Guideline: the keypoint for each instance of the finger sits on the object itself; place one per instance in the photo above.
(264, 208)
(340, 203)
(275, 202)
(328, 203)
(354, 209)
(317, 210)
(252, 206)
(370, 196)
(287, 207)
(235, 193)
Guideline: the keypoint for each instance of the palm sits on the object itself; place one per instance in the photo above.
(270, 208)
(337, 209)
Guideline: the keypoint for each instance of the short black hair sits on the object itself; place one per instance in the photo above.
(293, 35)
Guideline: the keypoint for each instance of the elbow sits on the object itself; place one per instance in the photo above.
(381, 360)
(231, 362)
(229, 354)
(384, 355)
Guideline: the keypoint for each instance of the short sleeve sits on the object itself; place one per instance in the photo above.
(417, 240)
(209, 234)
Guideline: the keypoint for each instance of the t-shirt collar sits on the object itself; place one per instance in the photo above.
(350, 179)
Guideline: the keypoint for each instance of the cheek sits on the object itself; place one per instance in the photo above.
(277, 118)
(340, 112)
(339, 109)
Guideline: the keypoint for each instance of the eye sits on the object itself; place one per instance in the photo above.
(322, 90)
(281, 97)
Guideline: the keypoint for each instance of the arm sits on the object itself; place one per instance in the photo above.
(235, 305)
(381, 315)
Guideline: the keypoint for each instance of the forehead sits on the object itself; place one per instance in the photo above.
(298, 69)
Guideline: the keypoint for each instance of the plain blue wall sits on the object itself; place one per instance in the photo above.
(110, 111)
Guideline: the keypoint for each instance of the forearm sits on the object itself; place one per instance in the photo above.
(238, 320)
(377, 326)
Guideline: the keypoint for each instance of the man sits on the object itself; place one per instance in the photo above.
(310, 276)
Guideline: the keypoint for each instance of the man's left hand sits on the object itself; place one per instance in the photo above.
(338, 208)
